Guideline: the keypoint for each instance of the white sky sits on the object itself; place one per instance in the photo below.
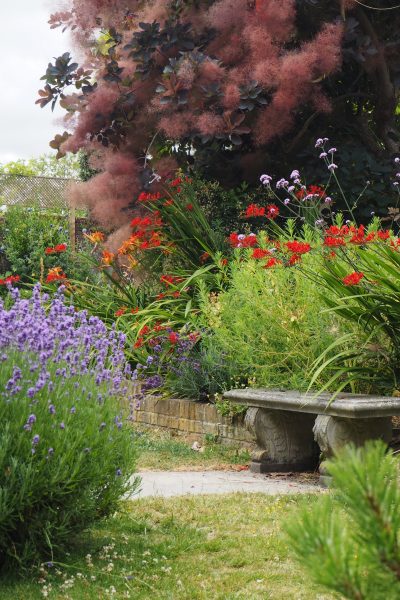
(27, 45)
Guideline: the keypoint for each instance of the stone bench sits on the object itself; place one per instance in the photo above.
(291, 429)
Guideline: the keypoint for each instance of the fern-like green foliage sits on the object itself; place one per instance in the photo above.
(269, 324)
(349, 540)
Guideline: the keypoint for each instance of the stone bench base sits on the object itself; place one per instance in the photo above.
(289, 425)
(285, 441)
(332, 433)
(290, 441)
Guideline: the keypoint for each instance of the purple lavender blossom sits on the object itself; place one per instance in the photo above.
(35, 440)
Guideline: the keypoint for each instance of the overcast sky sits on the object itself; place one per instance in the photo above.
(27, 45)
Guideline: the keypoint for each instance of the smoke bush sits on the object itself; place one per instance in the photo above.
(66, 456)
(220, 75)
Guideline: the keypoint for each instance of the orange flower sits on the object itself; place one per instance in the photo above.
(55, 274)
(95, 237)
(107, 258)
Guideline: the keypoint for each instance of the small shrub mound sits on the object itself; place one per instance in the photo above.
(66, 456)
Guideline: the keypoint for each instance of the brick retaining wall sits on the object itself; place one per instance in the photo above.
(194, 419)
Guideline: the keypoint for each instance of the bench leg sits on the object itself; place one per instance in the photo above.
(331, 433)
(284, 440)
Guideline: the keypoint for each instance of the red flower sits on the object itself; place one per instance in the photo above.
(224, 262)
(384, 234)
(334, 242)
(254, 210)
(176, 294)
(295, 258)
(168, 202)
(147, 197)
(259, 253)
(243, 241)
(160, 296)
(272, 262)
(173, 337)
(144, 331)
(334, 230)
(298, 247)
(120, 311)
(189, 206)
(312, 190)
(176, 182)
(353, 278)
(359, 235)
(204, 257)
(272, 211)
(55, 277)
(170, 279)
(56, 250)
(138, 343)
(10, 279)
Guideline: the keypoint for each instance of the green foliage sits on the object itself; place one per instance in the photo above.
(268, 324)
(221, 206)
(46, 165)
(350, 541)
(27, 232)
(372, 307)
(85, 170)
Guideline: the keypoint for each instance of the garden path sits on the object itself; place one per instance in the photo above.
(180, 483)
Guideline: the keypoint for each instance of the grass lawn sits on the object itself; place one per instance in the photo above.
(202, 547)
(159, 451)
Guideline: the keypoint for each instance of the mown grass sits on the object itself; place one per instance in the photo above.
(199, 548)
(160, 451)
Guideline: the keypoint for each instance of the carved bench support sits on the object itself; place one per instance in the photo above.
(284, 440)
(331, 433)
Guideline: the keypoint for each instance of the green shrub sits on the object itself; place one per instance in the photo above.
(66, 452)
(362, 287)
(27, 232)
(349, 541)
(269, 324)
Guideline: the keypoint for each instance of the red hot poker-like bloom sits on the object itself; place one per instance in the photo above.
(353, 278)
(298, 247)
(173, 337)
(272, 262)
(295, 258)
(10, 279)
(259, 253)
(254, 210)
(312, 190)
(334, 242)
(272, 211)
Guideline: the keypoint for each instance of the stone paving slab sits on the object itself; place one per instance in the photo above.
(181, 483)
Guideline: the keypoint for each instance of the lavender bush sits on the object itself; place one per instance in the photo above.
(66, 456)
